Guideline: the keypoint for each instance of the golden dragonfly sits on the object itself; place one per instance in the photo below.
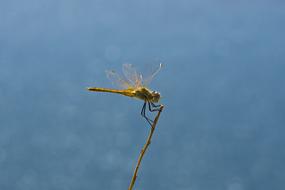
(134, 84)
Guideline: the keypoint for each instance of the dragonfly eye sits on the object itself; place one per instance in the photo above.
(155, 93)
(155, 96)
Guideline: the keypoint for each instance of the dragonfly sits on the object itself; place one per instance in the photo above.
(134, 84)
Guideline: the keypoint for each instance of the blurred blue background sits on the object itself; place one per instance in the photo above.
(222, 85)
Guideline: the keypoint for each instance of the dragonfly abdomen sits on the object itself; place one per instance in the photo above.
(126, 92)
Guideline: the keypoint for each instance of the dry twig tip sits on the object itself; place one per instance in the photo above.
(145, 148)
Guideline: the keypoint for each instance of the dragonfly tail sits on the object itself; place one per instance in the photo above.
(122, 92)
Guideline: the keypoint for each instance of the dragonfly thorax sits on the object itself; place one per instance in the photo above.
(147, 95)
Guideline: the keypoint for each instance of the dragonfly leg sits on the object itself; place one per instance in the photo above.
(143, 109)
(144, 114)
(156, 106)
(153, 109)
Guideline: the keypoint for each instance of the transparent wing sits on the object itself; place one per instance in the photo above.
(117, 79)
(133, 77)
(151, 74)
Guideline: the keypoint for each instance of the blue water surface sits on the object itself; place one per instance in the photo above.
(222, 84)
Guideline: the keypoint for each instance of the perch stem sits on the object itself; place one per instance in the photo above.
(145, 148)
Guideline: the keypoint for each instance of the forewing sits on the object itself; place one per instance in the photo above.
(133, 77)
(117, 79)
(153, 70)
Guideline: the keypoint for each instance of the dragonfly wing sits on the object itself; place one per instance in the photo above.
(117, 79)
(133, 77)
(153, 71)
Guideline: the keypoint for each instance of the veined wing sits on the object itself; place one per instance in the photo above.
(117, 79)
(153, 72)
(131, 74)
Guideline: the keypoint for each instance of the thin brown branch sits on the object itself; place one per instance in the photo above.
(145, 148)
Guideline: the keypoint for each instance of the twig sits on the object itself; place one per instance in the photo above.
(145, 148)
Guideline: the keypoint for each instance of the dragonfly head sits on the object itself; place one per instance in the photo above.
(155, 96)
